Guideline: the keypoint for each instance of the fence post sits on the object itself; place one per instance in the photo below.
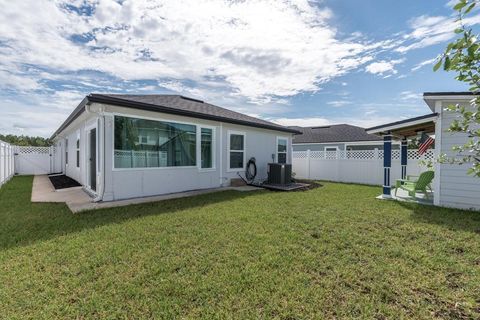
(1, 165)
(308, 164)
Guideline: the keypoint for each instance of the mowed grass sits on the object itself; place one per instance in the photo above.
(331, 252)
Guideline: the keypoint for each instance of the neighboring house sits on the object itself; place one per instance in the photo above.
(452, 186)
(335, 137)
(125, 146)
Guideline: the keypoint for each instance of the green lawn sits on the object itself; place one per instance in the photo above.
(331, 252)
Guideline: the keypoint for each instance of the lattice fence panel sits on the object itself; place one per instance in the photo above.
(330, 155)
(395, 154)
(32, 150)
(299, 155)
(428, 155)
(317, 155)
(361, 154)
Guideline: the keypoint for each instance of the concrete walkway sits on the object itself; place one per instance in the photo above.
(43, 191)
(78, 200)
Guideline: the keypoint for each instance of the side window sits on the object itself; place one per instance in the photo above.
(236, 150)
(282, 150)
(66, 151)
(206, 145)
(78, 153)
(331, 152)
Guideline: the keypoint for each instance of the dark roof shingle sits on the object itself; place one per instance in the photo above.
(175, 104)
(333, 133)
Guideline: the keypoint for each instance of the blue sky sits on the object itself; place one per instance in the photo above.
(294, 62)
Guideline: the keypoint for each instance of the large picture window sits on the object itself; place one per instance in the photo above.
(206, 151)
(141, 143)
(236, 151)
(282, 150)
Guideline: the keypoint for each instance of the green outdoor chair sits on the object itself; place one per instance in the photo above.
(413, 186)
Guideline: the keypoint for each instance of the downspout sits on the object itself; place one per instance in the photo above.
(101, 137)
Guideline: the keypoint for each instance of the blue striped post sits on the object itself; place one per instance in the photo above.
(403, 158)
(387, 164)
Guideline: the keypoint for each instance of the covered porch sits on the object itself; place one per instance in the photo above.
(403, 131)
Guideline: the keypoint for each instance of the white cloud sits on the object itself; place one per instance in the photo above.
(409, 96)
(423, 63)
(383, 67)
(339, 103)
(302, 122)
(260, 49)
(431, 30)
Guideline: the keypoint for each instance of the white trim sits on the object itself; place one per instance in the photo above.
(332, 147)
(78, 141)
(67, 154)
(88, 132)
(431, 101)
(402, 125)
(240, 133)
(127, 115)
(437, 153)
(276, 148)
(339, 142)
(214, 148)
(221, 155)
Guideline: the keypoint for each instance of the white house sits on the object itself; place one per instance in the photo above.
(336, 137)
(452, 186)
(125, 146)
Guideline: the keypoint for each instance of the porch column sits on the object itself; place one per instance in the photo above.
(403, 157)
(387, 164)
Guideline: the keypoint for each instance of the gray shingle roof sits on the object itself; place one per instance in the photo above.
(174, 104)
(333, 133)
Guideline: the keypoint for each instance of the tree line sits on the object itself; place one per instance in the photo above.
(23, 140)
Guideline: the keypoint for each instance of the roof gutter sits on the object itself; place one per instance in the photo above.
(74, 115)
(156, 108)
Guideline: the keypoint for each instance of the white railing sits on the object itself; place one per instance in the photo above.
(355, 166)
(139, 159)
(7, 166)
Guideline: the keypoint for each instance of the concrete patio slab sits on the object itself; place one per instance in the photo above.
(78, 200)
(402, 195)
(43, 191)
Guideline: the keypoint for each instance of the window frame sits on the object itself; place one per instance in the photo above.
(77, 153)
(66, 151)
(240, 133)
(330, 147)
(286, 149)
(325, 148)
(199, 148)
(114, 114)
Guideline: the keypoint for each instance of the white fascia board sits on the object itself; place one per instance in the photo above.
(402, 125)
(430, 100)
(339, 142)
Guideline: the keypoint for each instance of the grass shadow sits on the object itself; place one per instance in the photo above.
(452, 219)
(24, 222)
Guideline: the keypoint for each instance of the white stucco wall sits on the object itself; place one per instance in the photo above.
(455, 188)
(78, 128)
(140, 182)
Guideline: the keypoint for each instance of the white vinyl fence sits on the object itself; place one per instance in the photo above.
(356, 166)
(37, 160)
(6, 162)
